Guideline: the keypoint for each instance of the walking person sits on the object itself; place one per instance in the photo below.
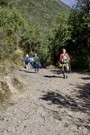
(64, 61)
(27, 62)
(31, 62)
(36, 63)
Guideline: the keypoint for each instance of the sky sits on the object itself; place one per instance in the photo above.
(69, 2)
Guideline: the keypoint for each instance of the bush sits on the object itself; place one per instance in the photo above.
(12, 25)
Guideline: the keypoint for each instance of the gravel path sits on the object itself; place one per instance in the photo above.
(51, 105)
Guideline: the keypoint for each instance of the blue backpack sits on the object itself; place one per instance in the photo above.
(26, 60)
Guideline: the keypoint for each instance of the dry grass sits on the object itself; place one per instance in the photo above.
(4, 92)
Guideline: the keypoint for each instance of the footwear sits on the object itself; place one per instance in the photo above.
(66, 76)
(63, 76)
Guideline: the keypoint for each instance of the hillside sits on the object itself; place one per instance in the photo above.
(41, 13)
(13, 24)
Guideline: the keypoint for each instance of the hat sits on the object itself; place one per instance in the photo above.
(35, 54)
(27, 56)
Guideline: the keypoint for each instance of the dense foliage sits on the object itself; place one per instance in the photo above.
(79, 43)
(42, 13)
(11, 26)
(40, 27)
(73, 34)
(84, 5)
(4, 2)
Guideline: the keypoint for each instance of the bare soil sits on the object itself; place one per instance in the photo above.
(46, 104)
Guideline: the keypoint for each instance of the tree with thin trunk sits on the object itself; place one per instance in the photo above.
(84, 5)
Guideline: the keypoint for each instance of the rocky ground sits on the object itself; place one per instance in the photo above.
(46, 104)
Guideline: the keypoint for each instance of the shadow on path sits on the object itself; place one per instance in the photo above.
(85, 78)
(52, 76)
(84, 96)
(60, 100)
(26, 71)
(56, 71)
(80, 101)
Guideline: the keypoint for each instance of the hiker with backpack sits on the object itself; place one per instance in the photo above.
(27, 62)
(37, 64)
(64, 62)
(31, 62)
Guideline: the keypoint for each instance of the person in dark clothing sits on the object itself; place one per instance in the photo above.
(36, 63)
(27, 62)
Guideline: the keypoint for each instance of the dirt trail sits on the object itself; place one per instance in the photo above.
(51, 105)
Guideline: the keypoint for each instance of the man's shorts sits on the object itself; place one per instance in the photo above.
(65, 66)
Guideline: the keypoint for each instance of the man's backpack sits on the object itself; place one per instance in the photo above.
(36, 59)
(64, 59)
(26, 60)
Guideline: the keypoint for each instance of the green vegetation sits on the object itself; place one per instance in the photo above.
(26, 25)
(44, 27)
(73, 34)
(80, 41)
(4, 92)
(41, 13)
(11, 26)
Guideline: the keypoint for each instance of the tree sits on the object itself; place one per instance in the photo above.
(4, 2)
(11, 26)
(84, 5)
(59, 37)
(79, 42)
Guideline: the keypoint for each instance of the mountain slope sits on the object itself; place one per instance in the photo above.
(41, 12)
